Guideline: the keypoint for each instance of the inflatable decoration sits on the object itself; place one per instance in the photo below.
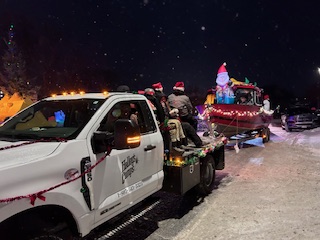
(224, 92)
(10, 105)
(211, 96)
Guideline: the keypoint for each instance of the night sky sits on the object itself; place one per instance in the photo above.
(93, 44)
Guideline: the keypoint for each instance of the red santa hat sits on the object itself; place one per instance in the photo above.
(222, 68)
(179, 86)
(157, 87)
(266, 97)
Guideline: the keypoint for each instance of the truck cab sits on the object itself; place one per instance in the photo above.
(69, 163)
(57, 139)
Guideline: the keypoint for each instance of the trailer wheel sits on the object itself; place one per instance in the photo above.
(207, 175)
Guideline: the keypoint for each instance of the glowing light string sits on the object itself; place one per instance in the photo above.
(211, 110)
(199, 153)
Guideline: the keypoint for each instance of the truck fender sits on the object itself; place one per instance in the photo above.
(79, 211)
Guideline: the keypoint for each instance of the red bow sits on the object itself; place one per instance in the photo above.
(33, 198)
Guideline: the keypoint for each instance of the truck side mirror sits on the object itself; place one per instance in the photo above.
(101, 141)
(126, 134)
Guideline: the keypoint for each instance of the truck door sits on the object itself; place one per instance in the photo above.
(126, 176)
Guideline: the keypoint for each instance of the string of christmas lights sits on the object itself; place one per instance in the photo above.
(178, 162)
(239, 113)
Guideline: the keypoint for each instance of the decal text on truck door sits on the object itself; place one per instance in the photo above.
(128, 166)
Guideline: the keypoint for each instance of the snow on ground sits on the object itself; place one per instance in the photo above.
(309, 138)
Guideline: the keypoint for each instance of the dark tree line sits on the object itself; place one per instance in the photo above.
(41, 58)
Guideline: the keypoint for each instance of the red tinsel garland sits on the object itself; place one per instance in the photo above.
(39, 194)
(31, 142)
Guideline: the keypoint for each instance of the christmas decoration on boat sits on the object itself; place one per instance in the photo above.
(224, 92)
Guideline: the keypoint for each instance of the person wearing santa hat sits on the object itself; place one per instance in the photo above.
(157, 87)
(178, 99)
(161, 96)
(266, 102)
(155, 104)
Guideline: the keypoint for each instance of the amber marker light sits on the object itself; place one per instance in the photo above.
(105, 92)
(53, 95)
(64, 94)
(81, 92)
(178, 161)
(135, 139)
(72, 93)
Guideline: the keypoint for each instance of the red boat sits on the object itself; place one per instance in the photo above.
(241, 116)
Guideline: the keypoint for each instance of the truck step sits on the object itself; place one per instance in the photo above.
(131, 219)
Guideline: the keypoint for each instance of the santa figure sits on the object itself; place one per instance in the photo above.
(224, 93)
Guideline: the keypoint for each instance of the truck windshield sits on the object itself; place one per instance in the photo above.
(50, 120)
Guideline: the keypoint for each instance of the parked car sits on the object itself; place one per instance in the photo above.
(298, 117)
(317, 117)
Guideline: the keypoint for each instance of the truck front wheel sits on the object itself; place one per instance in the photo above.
(40, 223)
(47, 237)
(207, 175)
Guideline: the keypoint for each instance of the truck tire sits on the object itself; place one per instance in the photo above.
(36, 225)
(61, 235)
(47, 237)
(207, 175)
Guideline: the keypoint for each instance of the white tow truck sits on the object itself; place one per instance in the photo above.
(69, 163)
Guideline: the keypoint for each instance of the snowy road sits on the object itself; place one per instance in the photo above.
(266, 191)
(310, 139)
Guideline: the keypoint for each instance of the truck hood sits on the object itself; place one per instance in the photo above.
(19, 153)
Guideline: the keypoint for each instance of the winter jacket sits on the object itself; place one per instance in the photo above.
(179, 100)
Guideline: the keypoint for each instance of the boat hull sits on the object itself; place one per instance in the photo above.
(233, 119)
